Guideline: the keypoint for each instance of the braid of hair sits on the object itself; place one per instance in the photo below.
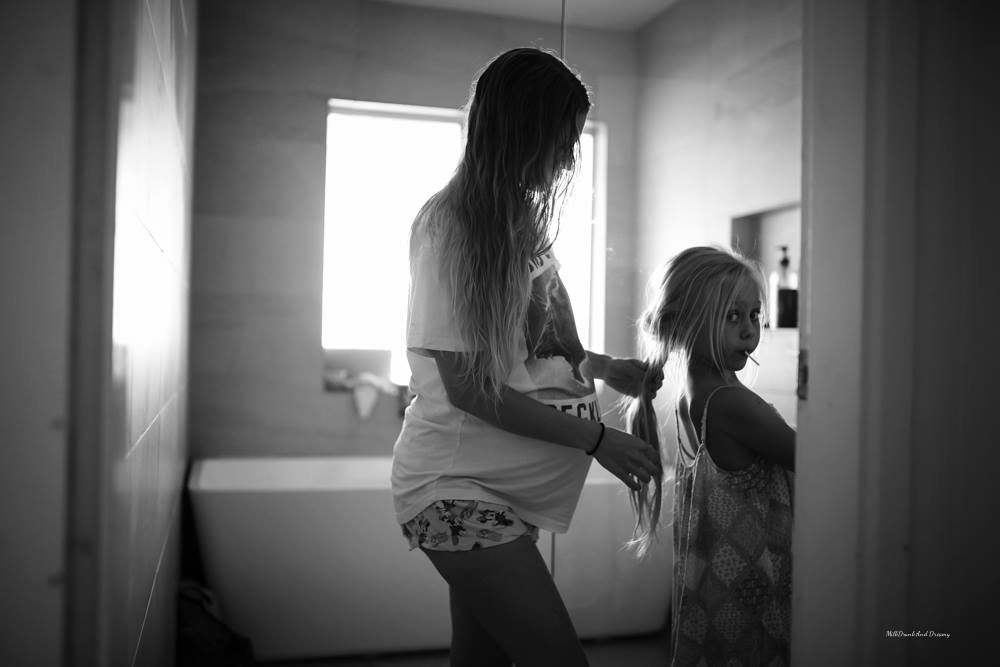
(640, 421)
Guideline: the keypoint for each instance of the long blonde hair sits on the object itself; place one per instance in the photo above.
(693, 292)
(494, 215)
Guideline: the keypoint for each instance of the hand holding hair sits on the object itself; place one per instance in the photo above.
(633, 461)
(629, 377)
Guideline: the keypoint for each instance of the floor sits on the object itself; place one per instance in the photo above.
(646, 651)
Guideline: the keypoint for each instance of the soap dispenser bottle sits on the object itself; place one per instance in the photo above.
(786, 290)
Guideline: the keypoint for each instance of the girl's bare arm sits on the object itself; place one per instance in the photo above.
(626, 376)
(622, 454)
(746, 418)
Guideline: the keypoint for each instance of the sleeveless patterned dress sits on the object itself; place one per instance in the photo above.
(732, 560)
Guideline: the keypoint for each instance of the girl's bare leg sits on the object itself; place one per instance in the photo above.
(510, 593)
(471, 644)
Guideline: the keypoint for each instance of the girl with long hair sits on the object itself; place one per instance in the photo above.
(732, 515)
(505, 421)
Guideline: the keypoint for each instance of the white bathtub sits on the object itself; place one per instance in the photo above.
(307, 560)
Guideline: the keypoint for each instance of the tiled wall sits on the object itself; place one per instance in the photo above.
(155, 94)
(720, 108)
(90, 550)
(266, 71)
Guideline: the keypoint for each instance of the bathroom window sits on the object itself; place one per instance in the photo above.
(382, 162)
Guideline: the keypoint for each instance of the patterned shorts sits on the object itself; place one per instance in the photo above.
(464, 525)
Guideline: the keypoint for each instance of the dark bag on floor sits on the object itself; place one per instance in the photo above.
(203, 640)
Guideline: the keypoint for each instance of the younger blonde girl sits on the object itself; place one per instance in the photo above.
(732, 515)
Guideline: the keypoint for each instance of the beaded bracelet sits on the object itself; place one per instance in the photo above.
(599, 439)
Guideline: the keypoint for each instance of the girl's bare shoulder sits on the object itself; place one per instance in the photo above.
(736, 399)
(698, 395)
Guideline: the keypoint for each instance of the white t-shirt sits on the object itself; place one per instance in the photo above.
(445, 453)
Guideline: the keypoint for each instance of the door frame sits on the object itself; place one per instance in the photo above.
(852, 496)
